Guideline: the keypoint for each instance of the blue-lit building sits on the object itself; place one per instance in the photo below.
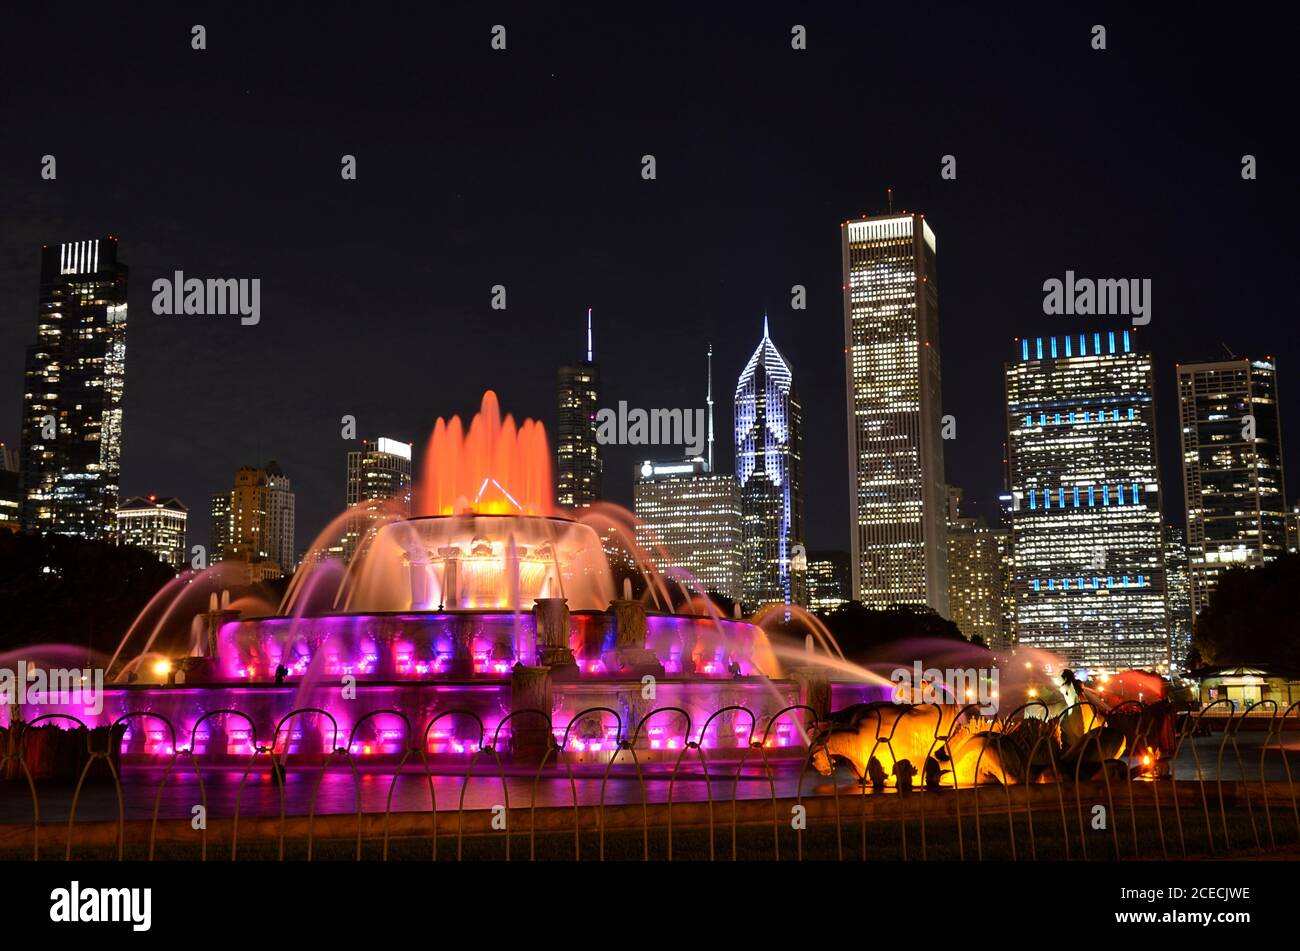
(1081, 456)
(768, 471)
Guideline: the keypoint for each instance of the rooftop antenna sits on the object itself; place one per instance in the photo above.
(709, 400)
(889, 198)
(1228, 351)
(588, 334)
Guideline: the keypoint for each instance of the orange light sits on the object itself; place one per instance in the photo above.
(490, 467)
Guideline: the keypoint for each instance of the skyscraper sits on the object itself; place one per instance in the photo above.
(891, 358)
(692, 516)
(976, 580)
(156, 524)
(221, 526)
(1081, 441)
(254, 523)
(72, 396)
(379, 470)
(1179, 587)
(1232, 468)
(10, 497)
(828, 580)
(578, 463)
(1007, 608)
(768, 442)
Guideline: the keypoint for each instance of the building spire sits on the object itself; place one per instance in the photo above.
(764, 325)
(709, 400)
(589, 335)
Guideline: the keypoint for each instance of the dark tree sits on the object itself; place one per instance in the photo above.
(860, 631)
(1253, 618)
(56, 589)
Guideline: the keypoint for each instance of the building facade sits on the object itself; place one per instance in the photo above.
(380, 470)
(691, 517)
(768, 470)
(891, 354)
(11, 504)
(976, 575)
(828, 580)
(1178, 584)
(156, 524)
(254, 523)
(1089, 552)
(579, 467)
(1232, 469)
(74, 379)
(1003, 538)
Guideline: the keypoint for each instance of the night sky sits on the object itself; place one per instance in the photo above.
(523, 168)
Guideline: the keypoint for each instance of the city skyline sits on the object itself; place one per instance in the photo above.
(588, 371)
(180, 401)
(449, 434)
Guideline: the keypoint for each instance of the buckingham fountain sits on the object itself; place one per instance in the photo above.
(487, 619)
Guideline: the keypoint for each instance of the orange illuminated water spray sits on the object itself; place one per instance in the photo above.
(494, 468)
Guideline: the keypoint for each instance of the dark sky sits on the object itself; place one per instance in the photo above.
(522, 168)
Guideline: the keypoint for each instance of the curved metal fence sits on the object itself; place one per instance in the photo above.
(1202, 797)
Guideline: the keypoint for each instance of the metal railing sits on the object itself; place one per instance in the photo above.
(1048, 811)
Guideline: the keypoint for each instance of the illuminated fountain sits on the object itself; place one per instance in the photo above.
(473, 614)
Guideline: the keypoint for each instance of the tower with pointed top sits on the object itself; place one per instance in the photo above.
(578, 463)
(891, 355)
(768, 446)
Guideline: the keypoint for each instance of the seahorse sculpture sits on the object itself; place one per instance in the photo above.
(883, 740)
(877, 739)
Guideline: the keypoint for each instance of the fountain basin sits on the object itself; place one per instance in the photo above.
(405, 645)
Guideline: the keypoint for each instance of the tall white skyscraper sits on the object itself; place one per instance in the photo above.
(891, 358)
(768, 440)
